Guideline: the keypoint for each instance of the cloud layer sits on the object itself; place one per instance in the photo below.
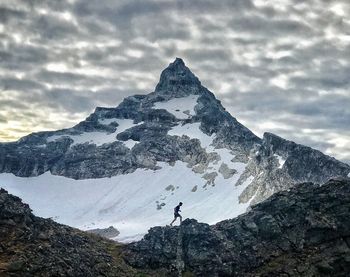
(278, 66)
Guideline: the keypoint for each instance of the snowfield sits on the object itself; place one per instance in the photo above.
(281, 160)
(181, 108)
(131, 203)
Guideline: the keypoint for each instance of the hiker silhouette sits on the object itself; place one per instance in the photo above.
(176, 214)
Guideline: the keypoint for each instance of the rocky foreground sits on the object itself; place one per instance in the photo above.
(33, 246)
(301, 232)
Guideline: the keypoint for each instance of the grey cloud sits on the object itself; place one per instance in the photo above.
(23, 59)
(52, 28)
(5, 136)
(8, 13)
(128, 10)
(13, 104)
(329, 82)
(65, 78)
(3, 119)
(261, 26)
(111, 97)
(19, 84)
(329, 111)
(206, 54)
(176, 30)
(67, 100)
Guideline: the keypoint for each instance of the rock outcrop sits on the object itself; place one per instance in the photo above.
(33, 246)
(278, 164)
(108, 233)
(301, 232)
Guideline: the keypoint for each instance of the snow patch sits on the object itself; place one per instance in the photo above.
(192, 130)
(100, 138)
(181, 108)
(280, 159)
(56, 137)
(124, 124)
(130, 143)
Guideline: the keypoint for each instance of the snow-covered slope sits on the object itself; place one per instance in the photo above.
(181, 108)
(133, 202)
(130, 165)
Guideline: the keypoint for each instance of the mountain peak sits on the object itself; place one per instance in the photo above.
(178, 61)
(178, 80)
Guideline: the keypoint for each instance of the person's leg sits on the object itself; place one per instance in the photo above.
(171, 224)
(180, 219)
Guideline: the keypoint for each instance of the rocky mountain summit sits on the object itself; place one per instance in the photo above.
(148, 141)
(137, 160)
(301, 232)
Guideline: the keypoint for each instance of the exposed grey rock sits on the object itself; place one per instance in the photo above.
(241, 158)
(301, 232)
(199, 168)
(178, 81)
(170, 187)
(226, 171)
(108, 233)
(210, 177)
(160, 205)
(301, 164)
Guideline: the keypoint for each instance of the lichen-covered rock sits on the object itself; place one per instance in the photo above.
(226, 171)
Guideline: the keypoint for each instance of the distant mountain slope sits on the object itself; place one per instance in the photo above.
(128, 166)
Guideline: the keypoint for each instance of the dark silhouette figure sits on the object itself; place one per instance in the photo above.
(176, 214)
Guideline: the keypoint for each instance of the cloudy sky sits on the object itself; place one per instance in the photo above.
(278, 66)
